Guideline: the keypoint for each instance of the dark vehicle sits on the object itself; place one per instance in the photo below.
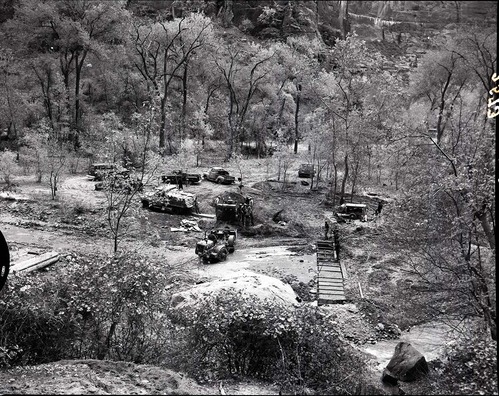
(220, 176)
(105, 166)
(234, 208)
(187, 178)
(306, 170)
(117, 181)
(170, 199)
(351, 211)
(217, 245)
(97, 172)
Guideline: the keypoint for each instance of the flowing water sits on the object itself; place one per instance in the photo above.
(429, 339)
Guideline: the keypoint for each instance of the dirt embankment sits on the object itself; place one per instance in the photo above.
(114, 378)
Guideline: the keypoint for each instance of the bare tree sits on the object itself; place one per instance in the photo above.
(122, 188)
(163, 52)
(241, 85)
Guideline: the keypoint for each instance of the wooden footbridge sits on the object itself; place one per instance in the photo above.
(330, 273)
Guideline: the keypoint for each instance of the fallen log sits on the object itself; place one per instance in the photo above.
(42, 265)
(34, 263)
(209, 216)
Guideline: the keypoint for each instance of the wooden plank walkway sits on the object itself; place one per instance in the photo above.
(331, 274)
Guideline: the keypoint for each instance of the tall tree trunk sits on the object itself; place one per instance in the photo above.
(397, 170)
(11, 114)
(354, 180)
(184, 100)
(344, 19)
(345, 177)
(297, 110)
(335, 184)
(77, 91)
(482, 216)
(162, 125)
(457, 5)
(77, 114)
(312, 178)
(369, 155)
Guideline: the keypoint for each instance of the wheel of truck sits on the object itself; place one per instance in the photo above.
(145, 204)
(219, 181)
(231, 240)
(222, 254)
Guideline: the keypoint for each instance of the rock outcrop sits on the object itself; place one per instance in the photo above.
(249, 283)
(391, 21)
(407, 364)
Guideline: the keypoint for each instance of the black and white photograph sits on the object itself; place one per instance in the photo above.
(248, 197)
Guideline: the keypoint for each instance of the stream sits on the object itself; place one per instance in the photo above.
(429, 339)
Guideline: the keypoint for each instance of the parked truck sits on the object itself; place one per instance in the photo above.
(187, 178)
(168, 198)
(98, 171)
(350, 211)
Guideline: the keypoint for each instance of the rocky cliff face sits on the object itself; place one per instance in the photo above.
(385, 20)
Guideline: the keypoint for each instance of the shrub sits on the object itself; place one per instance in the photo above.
(471, 368)
(239, 334)
(8, 166)
(96, 307)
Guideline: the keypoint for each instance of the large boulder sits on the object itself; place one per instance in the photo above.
(248, 283)
(407, 364)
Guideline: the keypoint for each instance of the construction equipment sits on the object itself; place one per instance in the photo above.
(217, 245)
(168, 198)
(234, 208)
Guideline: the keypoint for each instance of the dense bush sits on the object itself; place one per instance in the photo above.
(471, 369)
(239, 334)
(98, 307)
(8, 167)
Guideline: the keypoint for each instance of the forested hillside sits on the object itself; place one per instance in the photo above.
(383, 96)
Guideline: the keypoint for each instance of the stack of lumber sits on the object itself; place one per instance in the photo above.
(34, 263)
